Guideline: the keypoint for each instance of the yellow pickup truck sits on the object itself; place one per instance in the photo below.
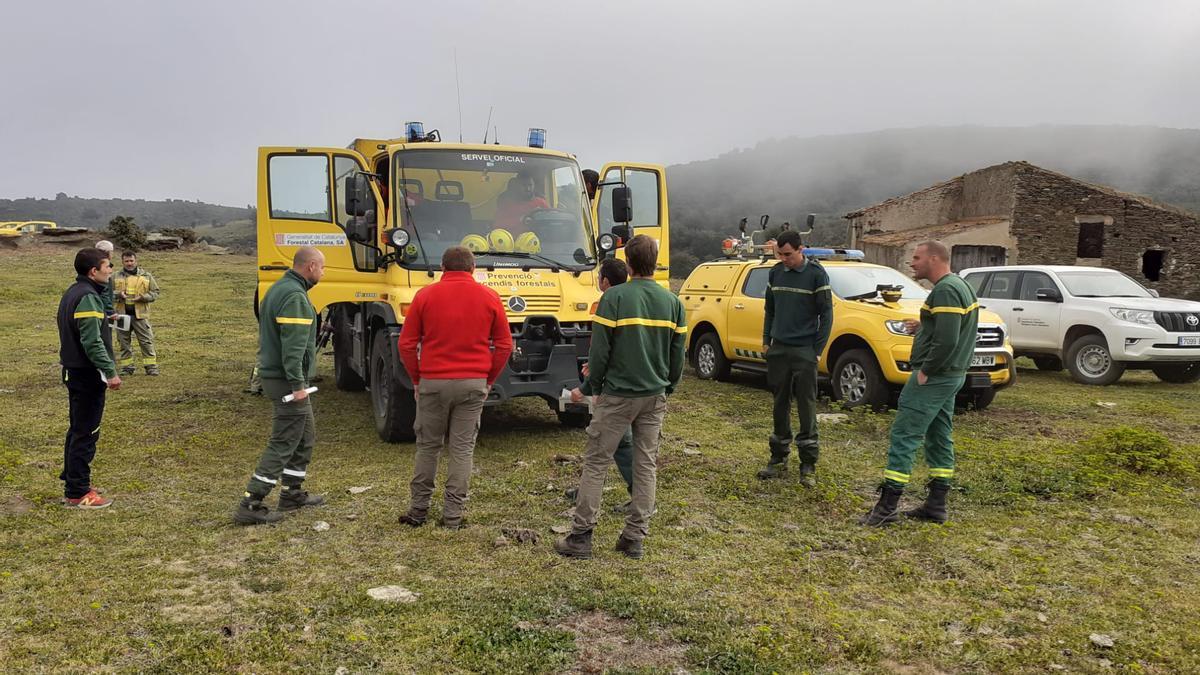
(866, 359)
(17, 228)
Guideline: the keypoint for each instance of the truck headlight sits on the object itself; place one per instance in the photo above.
(897, 327)
(1141, 316)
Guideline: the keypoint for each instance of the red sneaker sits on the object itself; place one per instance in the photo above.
(92, 500)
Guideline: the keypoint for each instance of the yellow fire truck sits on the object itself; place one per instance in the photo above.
(384, 210)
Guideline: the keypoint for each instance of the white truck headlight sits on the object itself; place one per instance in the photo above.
(1142, 316)
(897, 327)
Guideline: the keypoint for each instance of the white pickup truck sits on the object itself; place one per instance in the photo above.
(1095, 321)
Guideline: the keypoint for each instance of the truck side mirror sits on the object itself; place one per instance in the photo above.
(358, 195)
(1048, 295)
(622, 204)
(809, 222)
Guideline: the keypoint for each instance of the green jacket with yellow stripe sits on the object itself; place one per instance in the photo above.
(84, 337)
(287, 332)
(949, 324)
(638, 336)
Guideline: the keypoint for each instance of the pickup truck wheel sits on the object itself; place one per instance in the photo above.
(858, 381)
(393, 403)
(574, 420)
(1090, 362)
(709, 359)
(343, 348)
(1178, 373)
(1048, 363)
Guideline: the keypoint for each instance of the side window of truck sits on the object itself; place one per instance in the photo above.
(756, 283)
(299, 187)
(975, 281)
(1002, 286)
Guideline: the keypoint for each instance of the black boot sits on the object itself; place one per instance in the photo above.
(575, 545)
(414, 517)
(934, 508)
(630, 547)
(295, 498)
(886, 510)
(776, 468)
(253, 512)
(808, 474)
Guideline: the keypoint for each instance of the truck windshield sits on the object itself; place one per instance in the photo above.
(860, 281)
(512, 209)
(1102, 284)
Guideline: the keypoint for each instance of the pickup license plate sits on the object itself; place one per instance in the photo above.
(986, 360)
(1189, 341)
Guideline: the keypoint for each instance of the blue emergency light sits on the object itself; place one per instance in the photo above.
(834, 254)
(537, 138)
(414, 131)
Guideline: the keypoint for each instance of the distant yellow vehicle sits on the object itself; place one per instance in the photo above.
(16, 228)
(866, 359)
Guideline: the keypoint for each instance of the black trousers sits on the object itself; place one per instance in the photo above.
(85, 392)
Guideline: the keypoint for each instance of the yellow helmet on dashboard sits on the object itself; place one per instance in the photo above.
(475, 243)
(529, 243)
(501, 240)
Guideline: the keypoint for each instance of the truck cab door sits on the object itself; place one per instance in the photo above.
(746, 309)
(302, 202)
(648, 185)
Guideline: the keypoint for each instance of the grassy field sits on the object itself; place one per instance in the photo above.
(1076, 514)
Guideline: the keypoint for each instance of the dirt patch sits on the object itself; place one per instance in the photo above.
(15, 505)
(604, 642)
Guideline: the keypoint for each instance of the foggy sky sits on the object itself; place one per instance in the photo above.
(163, 100)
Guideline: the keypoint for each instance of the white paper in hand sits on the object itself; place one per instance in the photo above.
(292, 397)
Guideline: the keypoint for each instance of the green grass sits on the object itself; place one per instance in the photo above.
(1058, 530)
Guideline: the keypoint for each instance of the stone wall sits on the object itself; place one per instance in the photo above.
(939, 204)
(988, 192)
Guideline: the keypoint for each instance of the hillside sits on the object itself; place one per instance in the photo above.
(95, 213)
(832, 175)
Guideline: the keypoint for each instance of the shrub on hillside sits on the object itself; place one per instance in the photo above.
(187, 234)
(126, 234)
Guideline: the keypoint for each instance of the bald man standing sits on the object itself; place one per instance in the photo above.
(287, 337)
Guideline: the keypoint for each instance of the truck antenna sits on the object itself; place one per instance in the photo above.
(496, 135)
(458, 90)
(488, 126)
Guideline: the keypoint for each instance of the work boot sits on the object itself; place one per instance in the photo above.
(128, 370)
(808, 474)
(152, 372)
(886, 510)
(414, 517)
(630, 547)
(253, 512)
(291, 500)
(934, 508)
(575, 545)
(777, 468)
(452, 523)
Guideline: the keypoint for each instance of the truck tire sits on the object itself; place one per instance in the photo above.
(1090, 362)
(574, 420)
(857, 381)
(1051, 364)
(978, 399)
(1178, 373)
(343, 350)
(708, 359)
(393, 403)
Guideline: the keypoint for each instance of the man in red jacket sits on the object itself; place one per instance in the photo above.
(462, 332)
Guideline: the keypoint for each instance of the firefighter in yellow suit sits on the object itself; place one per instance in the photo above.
(134, 288)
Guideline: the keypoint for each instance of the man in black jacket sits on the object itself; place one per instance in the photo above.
(88, 372)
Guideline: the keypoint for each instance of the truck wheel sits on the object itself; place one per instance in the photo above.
(978, 399)
(858, 381)
(343, 348)
(575, 420)
(393, 403)
(709, 359)
(1178, 373)
(1090, 362)
(1048, 363)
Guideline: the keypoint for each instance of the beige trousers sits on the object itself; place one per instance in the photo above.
(447, 419)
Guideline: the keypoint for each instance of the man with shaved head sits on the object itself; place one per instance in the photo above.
(287, 362)
(941, 353)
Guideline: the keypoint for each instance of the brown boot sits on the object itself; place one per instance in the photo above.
(575, 545)
(414, 517)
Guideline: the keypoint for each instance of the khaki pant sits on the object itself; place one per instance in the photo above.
(145, 338)
(611, 416)
(447, 419)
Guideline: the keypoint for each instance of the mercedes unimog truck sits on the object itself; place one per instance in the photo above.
(384, 210)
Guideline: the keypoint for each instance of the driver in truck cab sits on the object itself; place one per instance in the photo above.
(517, 200)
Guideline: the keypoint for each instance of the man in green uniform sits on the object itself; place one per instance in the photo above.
(796, 326)
(287, 333)
(635, 361)
(134, 288)
(941, 354)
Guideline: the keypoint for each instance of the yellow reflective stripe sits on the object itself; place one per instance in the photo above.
(88, 315)
(896, 476)
(149, 361)
(950, 310)
(655, 323)
(681, 329)
(789, 289)
(604, 322)
(941, 473)
(818, 289)
(289, 319)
